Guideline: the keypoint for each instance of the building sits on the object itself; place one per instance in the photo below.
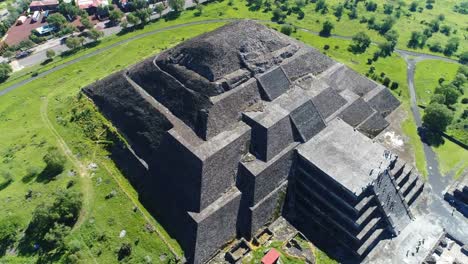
(44, 5)
(90, 4)
(229, 133)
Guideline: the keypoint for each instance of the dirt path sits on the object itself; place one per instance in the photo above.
(80, 167)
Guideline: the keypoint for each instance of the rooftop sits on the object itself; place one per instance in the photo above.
(348, 156)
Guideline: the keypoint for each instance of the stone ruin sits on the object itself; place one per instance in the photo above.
(238, 126)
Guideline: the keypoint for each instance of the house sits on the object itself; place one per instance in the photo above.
(271, 257)
(91, 4)
(43, 5)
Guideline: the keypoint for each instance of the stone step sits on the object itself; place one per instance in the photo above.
(367, 230)
(366, 216)
(311, 211)
(404, 175)
(333, 197)
(397, 170)
(370, 242)
(364, 203)
(409, 184)
(313, 198)
(411, 196)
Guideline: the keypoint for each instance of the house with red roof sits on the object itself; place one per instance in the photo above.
(91, 4)
(44, 5)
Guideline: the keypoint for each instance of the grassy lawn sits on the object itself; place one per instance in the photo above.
(452, 158)
(427, 76)
(26, 136)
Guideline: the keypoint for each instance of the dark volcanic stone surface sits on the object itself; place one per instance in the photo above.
(311, 62)
(384, 102)
(213, 55)
(140, 123)
(307, 121)
(357, 112)
(328, 102)
(374, 125)
(274, 83)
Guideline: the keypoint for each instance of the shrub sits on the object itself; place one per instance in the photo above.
(326, 47)
(287, 29)
(124, 251)
(55, 162)
(394, 85)
(464, 100)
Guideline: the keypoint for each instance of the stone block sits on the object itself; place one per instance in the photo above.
(312, 62)
(345, 78)
(384, 102)
(202, 173)
(271, 131)
(356, 113)
(274, 83)
(214, 226)
(227, 107)
(268, 209)
(307, 121)
(328, 102)
(373, 125)
(257, 178)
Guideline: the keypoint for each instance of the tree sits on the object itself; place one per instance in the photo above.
(133, 19)
(73, 42)
(414, 40)
(8, 232)
(353, 13)
(338, 11)
(326, 28)
(464, 58)
(287, 29)
(50, 54)
(159, 8)
(388, 9)
(95, 34)
(86, 23)
(360, 42)
(176, 5)
(115, 16)
(450, 92)
(55, 237)
(5, 70)
(124, 251)
(143, 14)
(67, 9)
(371, 6)
(57, 20)
(386, 25)
(451, 47)
(445, 30)
(437, 117)
(413, 6)
(438, 98)
(54, 160)
(386, 48)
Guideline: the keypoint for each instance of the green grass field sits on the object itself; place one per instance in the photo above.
(26, 134)
(452, 158)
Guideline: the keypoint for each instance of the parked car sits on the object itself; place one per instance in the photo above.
(22, 54)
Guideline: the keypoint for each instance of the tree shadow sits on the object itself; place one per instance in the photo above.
(431, 138)
(47, 61)
(5, 184)
(47, 175)
(173, 15)
(29, 177)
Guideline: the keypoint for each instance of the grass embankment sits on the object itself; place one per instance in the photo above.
(452, 158)
(26, 134)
